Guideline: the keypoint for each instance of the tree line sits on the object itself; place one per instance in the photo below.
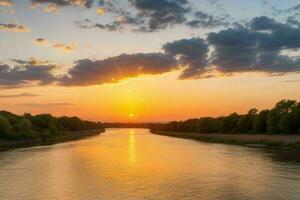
(283, 118)
(43, 126)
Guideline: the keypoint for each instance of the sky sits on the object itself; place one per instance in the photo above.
(147, 60)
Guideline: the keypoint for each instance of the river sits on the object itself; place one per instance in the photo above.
(133, 164)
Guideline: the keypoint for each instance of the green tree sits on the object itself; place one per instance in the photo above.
(228, 123)
(282, 108)
(245, 122)
(24, 125)
(53, 128)
(286, 123)
(297, 118)
(5, 127)
(285, 106)
(24, 129)
(273, 122)
(260, 122)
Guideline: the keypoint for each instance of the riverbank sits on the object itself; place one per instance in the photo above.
(64, 137)
(286, 142)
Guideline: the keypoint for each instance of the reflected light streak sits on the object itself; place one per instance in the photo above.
(131, 148)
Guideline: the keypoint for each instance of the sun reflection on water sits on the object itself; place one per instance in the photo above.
(131, 148)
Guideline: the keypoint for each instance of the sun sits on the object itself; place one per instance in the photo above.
(131, 115)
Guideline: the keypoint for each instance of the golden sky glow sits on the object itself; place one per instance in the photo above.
(157, 98)
(110, 61)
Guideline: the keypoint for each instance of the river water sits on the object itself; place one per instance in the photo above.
(133, 164)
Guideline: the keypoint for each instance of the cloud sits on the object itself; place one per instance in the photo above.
(115, 69)
(292, 9)
(256, 47)
(26, 73)
(100, 11)
(52, 8)
(41, 41)
(32, 61)
(234, 49)
(261, 45)
(117, 25)
(59, 46)
(64, 47)
(85, 3)
(160, 14)
(192, 54)
(13, 28)
(7, 3)
(25, 94)
(204, 20)
(152, 15)
(7, 11)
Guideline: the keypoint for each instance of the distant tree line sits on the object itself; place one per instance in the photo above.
(284, 118)
(43, 126)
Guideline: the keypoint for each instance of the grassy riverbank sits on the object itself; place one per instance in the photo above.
(287, 142)
(63, 137)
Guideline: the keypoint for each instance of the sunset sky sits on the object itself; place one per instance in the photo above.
(147, 60)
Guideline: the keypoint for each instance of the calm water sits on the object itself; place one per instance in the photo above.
(132, 164)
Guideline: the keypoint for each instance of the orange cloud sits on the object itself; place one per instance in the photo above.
(52, 8)
(7, 3)
(58, 45)
(65, 47)
(100, 11)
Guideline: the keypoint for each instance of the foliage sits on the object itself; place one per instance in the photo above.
(284, 118)
(40, 127)
(5, 127)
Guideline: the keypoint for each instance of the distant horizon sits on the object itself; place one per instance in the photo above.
(132, 121)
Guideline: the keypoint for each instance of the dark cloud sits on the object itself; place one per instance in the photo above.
(86, 3)
(144, 15)
(114, 69)
(277, 35)
(25, 94)
(160, 14)
(25, 73)
(260, 45)
(152, 16)
(295, 8)
(235, 49)
(187, 54)
(192, 54)
(118, 24)
(31, 61)
(256, 47)
(13, 28)
(41, 41)
(290, 10)
(205, 20)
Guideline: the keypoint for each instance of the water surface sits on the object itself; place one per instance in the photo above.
(132, 164)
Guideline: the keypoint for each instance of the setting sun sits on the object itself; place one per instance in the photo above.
(131, 115)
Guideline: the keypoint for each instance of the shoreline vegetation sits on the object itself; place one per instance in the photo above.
(31, 130)
(63, 137)
(282, 142)
(278, 127)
